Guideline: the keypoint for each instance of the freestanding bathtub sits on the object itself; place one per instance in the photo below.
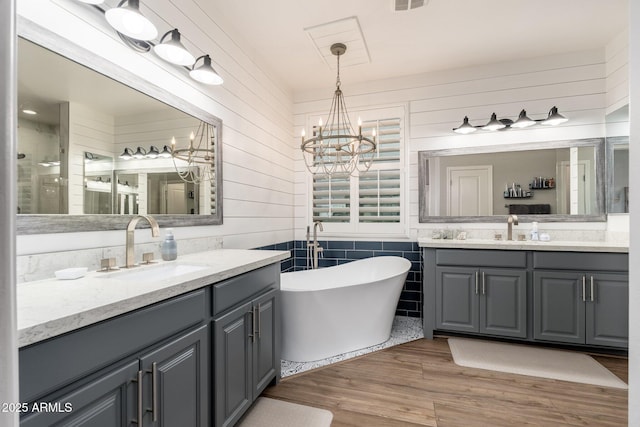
(333, 310)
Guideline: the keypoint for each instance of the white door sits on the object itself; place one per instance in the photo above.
(176, 199)
(470, 190)
(574, 190)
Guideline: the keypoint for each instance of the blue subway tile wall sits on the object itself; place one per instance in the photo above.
(337, 252)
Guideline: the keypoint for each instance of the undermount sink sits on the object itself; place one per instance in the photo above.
(147, 273)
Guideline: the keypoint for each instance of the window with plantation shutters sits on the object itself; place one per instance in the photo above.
(371, 201)
(331, 198)
(379, 196)
(388, 139)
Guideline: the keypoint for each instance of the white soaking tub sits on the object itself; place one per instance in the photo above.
(334, 310)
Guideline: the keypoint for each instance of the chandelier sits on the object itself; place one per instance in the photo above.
(335, 147)
(196, 163)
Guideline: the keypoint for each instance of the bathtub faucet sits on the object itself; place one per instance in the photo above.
(317, 249)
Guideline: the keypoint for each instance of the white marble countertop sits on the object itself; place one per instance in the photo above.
(573, 246)
(51, 307)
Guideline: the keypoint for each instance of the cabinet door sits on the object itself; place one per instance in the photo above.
(108, 401)
(232, 365)
(266, 358)
(607, 316)
(457, 299)
(177, 381)
(558, 307)
(503, 302)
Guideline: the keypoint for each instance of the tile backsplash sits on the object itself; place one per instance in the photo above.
(341, 251)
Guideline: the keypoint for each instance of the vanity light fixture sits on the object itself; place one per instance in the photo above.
(137, 32)
(336, 147)
(523, 121)
(205, 73)
(129, 21)
(140, 153)
(152, 153)
(127, 154)
(165, 153)
(172, 50)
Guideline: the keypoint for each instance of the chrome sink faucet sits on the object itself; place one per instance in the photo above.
(511, 221)
(131, 226)
(316, 246)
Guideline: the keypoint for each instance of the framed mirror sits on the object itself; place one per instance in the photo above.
(98, 148)
(550, 181)
(618, 174)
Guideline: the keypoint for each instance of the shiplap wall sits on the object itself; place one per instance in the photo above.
(89, 130)
(437, 102)
(256, 110)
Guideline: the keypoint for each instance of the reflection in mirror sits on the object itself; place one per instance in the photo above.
(40, 187)
(550, 181)
(618, 152)
(98, 176)
(71, 148)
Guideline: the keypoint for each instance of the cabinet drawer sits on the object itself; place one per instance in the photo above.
(481, 258)
(581, 261)
(234, 291)
(50, 364)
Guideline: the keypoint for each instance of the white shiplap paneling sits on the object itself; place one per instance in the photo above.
(256, 110)
(438, 101)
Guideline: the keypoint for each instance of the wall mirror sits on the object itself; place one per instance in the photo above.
(550, 181)
(92, 154)
(617, 152)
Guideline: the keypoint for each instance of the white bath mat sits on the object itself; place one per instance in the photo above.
(533, 361)
(278, 413)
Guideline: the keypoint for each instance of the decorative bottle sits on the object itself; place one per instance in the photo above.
(169, 248)
(534, 231)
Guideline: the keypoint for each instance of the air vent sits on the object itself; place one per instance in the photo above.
(408, 4)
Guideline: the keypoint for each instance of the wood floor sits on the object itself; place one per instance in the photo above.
(417, 384)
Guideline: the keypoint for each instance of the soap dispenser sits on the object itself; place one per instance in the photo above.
(169, 248)
(534, 231)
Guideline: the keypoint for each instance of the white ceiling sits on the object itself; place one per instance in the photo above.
(444, 34)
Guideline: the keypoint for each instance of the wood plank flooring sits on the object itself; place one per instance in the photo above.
(417, 384)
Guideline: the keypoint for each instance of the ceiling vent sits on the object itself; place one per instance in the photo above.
(408, 4)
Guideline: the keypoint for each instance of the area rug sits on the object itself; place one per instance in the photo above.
(267, 412)
(533, 361)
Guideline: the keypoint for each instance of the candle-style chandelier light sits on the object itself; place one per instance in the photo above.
(335, 147)
(196, 163)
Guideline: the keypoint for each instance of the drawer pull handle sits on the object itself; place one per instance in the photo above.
(154, 392)
(259, 322)
(476, 283)
(140, 413)
(484, 290)
(252, 335)
(592, 290)
(584, 288)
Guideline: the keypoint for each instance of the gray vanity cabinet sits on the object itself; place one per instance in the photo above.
(246, 356)
(581, 298)
(108, 401)
(176, 388)
(232, 365)
(581, 307)
(246, 341)
(482, 300)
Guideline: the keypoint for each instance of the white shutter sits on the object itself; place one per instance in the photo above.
(388, 136)
(379, 199)
(331, 198)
